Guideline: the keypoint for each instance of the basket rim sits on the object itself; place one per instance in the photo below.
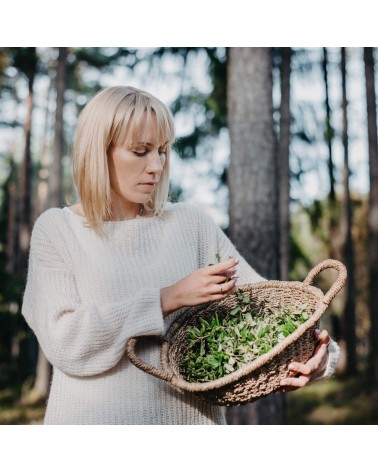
(188, 311)
(235, 376)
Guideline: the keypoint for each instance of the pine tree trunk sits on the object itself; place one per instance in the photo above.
(373, 210)
(56, 173)
(253, 188)
(25, 186)
(42, 186)
(11, 225)
(349, 318)
(283, 162)
(43, 371)
(333, 233)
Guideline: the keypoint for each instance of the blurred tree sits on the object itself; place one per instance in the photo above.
(25, 59)
(373, 209)
(253, 187)
(349, 318)
(55, 198)
(11, 204)
(284, 165)
(10, 288)
(329, 135)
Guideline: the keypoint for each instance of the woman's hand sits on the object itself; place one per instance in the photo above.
(314, 367)
(201, 286)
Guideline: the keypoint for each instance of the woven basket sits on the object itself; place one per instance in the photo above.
(262, 376)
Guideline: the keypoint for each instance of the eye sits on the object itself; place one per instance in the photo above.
(140, 153)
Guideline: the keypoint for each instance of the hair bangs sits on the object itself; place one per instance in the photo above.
(139, 116)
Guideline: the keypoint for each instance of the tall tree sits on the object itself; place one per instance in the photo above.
(56, 173)
(373, 208)
(26, 60)
(253, 187)
(349, 318)
(11, 219)
(329, 134)
(283, 162)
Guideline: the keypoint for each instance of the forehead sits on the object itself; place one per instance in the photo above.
(146, 129)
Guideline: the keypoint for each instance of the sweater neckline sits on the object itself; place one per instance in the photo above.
(112, 223)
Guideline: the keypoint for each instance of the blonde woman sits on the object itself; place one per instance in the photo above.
(120, 263)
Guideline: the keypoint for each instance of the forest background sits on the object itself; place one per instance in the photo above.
(142, 25)
(310, 158)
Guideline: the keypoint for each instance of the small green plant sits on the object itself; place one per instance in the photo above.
(218, 258)
(220, 345)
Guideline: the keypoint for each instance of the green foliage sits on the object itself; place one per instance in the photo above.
(220, 345)
(80, 60)
(24, 59)
(212, 107)
(337, 401)
(12, 324)
(14, 410)
(310, 238)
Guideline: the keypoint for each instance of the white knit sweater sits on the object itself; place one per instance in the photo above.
(85, 296)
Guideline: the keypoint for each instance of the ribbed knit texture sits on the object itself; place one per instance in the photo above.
(86, 295)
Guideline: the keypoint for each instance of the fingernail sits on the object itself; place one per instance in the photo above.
(237, 261)
(235, 277)
(317, 330)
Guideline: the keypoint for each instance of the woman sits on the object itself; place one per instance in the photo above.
(121, 263)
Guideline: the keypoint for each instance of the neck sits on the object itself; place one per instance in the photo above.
(121, 214)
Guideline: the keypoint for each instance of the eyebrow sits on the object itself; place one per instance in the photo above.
(149, 144)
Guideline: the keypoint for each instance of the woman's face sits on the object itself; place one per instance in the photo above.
(135, 171)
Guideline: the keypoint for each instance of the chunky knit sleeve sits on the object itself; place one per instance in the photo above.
(213, 240)
(80, 339)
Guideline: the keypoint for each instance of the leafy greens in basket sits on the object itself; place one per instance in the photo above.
(217, 347)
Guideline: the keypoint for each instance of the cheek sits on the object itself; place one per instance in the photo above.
(123, 170)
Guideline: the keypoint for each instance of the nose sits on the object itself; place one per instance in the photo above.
(154, 163)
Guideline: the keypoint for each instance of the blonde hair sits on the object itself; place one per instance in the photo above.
(114, 116)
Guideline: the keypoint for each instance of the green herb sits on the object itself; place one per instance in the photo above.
(218, 258)
(220, 345)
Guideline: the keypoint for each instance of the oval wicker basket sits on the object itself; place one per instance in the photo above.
(262, 376)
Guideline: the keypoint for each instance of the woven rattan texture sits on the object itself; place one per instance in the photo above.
(260, 380)
(262, 376)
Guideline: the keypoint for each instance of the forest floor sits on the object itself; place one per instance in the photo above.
(14, 410)
(333, 402)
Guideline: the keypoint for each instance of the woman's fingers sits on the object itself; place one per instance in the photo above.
(215, 269)
(220, 291)
(298, 368)
(322, 336)
(307, 370)
(225, 287)
(227, 273)
(207, 284)
(294, 383)
(220, 279)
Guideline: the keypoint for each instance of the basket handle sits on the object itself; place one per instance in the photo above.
(337, 285)
(148, 368)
